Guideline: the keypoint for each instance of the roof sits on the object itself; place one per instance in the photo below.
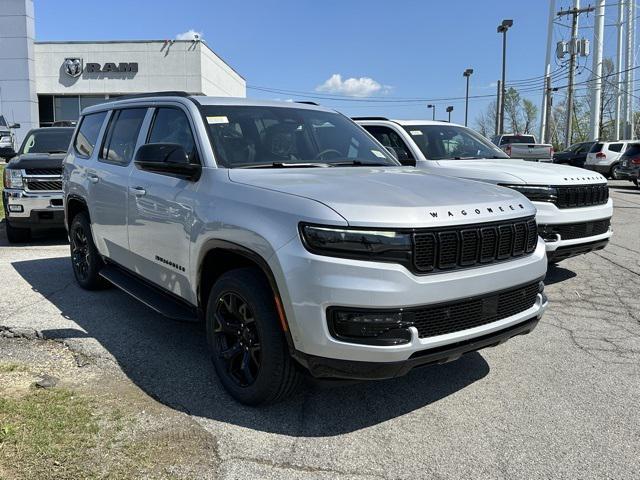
(404, 122)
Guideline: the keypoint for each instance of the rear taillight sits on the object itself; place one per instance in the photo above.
(635, 161)
(601, 155)
(551, 152)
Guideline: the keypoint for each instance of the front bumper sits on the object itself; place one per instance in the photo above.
(549, 214)
(38, 209)
(309, 284)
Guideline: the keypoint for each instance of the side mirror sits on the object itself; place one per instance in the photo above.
(14, 125)
(168, 159)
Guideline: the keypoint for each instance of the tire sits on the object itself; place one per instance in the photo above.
(85, 259)
(613, 175)
(255, 367)
(17, 235)
(635, 182)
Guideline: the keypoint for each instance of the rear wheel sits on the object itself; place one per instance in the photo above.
(85, 259)
(613, 172)
(635, 181)
(248, 348)
(17, 235)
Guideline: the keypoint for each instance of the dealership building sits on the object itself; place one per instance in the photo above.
(44, 82)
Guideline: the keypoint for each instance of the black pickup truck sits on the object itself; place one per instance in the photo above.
(32, 195)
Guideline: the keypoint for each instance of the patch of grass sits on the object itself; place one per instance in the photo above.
(12, 367)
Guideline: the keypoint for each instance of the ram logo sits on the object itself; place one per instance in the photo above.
(72, 67)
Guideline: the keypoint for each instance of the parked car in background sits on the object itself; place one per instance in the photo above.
(629, 167)
(573, 206)
(7, 138)
(604, 157)
(575, 155)
(64, 123)
(524, 147)
(297, 238)
(33, 183)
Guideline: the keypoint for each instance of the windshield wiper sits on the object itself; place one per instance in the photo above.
(359, 163)
(286, 165)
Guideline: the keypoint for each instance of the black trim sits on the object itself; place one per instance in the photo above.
(562, 253)
(321, 367)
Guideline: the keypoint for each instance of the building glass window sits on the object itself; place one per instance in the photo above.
(90, 100)
(66, 108)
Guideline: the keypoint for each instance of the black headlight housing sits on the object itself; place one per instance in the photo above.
(536, 193)
(357, 243)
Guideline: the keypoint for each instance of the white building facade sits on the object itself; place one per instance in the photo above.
(45, 82)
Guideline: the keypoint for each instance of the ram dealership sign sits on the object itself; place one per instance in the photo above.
(74, 67)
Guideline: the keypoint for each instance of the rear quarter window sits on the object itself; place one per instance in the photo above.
(615, 147)
(597, 147)
(88, 132)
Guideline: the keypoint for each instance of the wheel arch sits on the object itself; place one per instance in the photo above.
(74, 204)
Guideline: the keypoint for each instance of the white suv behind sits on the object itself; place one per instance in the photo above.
(604, 157)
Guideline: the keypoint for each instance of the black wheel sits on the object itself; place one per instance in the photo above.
(635, 182)
(85, 258)
(17, 235)
(248, 348)
(613, 172)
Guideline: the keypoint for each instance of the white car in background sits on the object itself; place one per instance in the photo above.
(604, 157)
(573, 205)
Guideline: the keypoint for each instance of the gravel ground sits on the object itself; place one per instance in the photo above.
(562, 402)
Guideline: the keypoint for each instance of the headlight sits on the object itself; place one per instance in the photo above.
(376, 245)
(536, 193)
(12, 178)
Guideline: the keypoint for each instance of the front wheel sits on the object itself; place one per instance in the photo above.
(248, 348)
(85, 259)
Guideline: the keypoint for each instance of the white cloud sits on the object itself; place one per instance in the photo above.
(353, 87)
(189, 35)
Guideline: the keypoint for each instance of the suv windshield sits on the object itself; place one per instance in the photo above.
(452, 142)
(264, 136)
(47, 140)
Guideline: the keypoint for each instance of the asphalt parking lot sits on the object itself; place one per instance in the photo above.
(562, 402)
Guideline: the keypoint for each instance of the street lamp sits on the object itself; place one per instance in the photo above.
(467, 73)
(502, 28)
(449, 110)
(434, 110)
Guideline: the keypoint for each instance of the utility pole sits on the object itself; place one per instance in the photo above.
(573, 51)
(619, 68)
(546, 133)
(596, 87)
(498, 102)
(544, 114)
(503, 28)
(630, 62)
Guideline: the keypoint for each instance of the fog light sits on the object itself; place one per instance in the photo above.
(371, 327)
(547, 233)
(541, 291)
(16, 208)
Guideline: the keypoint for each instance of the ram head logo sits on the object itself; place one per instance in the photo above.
(72, 66)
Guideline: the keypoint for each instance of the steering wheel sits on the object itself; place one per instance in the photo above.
(327, 151)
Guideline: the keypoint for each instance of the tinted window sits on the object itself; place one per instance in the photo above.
(88, 133)
(171, 125)
(517, 139)
(122, 135)
(253, 136)
(633, 150)
(3, 123)
(450, 142)
(390, 139)
(584, 148)
(597, 147)
(615, 147)
(49, 140)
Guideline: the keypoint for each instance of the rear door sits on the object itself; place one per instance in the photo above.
(109, 181)
(160, 208)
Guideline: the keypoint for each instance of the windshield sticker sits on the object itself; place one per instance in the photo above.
(217, 120)
(378, 153)
(416, 132)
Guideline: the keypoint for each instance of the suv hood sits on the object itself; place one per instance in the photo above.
(37, 160)
(392, 196)
(516, 171)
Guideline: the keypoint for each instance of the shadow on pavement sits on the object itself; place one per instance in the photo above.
(169, 361)
(43, 237)
(557, 274)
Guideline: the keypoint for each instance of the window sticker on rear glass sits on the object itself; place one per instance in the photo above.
(378, 153)
(416, 132)
(216, 120)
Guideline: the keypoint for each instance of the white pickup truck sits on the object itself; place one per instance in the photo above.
(573, 205)
(524, 147)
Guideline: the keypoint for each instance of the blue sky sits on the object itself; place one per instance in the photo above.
(391, 49)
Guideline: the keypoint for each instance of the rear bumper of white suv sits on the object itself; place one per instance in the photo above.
(316, 286)
(568, 232)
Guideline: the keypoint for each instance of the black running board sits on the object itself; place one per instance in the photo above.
(151, 296)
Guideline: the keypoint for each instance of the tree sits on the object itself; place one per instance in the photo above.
(519, 115)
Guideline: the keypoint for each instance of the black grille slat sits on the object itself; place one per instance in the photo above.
(470, 245)
(43, 171)
(462, 315)
(571, 231)
(46, 185)
(582, 196)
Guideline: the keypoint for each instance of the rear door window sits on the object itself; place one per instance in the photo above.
(88, 133)
(615, 147)
(122, 135)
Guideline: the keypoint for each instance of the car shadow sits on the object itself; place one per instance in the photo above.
(557, 274)
(169, 361)
(42, 237)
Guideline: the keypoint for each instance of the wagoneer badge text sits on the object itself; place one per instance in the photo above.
(479, 211)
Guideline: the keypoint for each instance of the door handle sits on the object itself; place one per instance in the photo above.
(137, 191)
(93, 178)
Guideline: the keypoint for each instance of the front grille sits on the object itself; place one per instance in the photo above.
(465, 314)
(582, 196)
(469, 245)
(43, 171)
(570, 231)
(39, 185)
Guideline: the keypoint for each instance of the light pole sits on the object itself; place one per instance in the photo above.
(449, 110)
(467, 73)
(434, 110)
(502, 28)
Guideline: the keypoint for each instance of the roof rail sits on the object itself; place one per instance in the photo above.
(307, 102)
(152, 94)
(369, 118)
